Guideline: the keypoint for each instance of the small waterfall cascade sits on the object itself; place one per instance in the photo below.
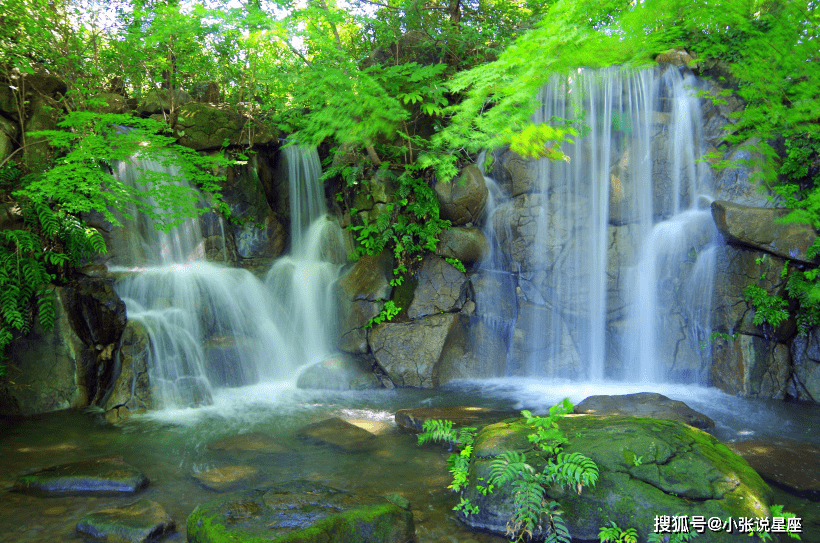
(610, 248)
(209, 325)
(301, 282)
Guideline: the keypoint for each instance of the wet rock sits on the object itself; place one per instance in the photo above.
(409, 353)
(140, 522)
(101, 476)
(462, 200)
(302, 511)
(223, 360)
(644, 404)
(255, 442)
(750, 366)
(131, 392)
(469, 245)
(413, 419)
(515, 173)
(441, 289)
(735, 184)
(340, 434)
(543, 339)
(359, 294)
(205, 126)
(675, 57)
(51, 369)
(645, 466)
(227, 477)
(786, 463)
(341, 372)
(759, 228)
(805, 355)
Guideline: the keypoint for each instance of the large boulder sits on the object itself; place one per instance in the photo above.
(646, 466)
(410, 352)
(158, 102)
(303, 511)
(441, 289)
(360, 293)
(515, 173)
(469, 245)
(101, 476)
(50, 369)
(462, 200)
(205, 126)
(762, 229)
(644, 404)
(141, 522)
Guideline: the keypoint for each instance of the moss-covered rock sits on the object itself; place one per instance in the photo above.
(647, 467)
(139, 522)
(299, 512)
(101, 476)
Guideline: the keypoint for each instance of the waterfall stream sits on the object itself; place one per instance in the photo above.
(213, 326)
(610, 249)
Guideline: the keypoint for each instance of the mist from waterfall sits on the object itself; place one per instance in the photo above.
(613, 281)
(213, 326)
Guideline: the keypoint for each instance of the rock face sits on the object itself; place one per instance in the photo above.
(410, 352)
(759, 228)
(140, 522)
(441, 289)
(102, 476)
(463, 200)
(302, 511)
(469, 245)
(805, 356)
(645, 466)
(359, 292)
(644, 404)
(131, 392)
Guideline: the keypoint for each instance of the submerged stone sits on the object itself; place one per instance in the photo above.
(299, 511)
(786, 463)
(647, 467)
(105, 475)
(139, 522)
(251, 442)
(340, 434)
(644, 404)
(227, 477)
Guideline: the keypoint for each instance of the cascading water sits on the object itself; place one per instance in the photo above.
(605, 246)
(212, 326)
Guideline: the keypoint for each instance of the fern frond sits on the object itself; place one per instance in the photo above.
(508, 467)
(572, 469)
(558, 529)
(437, 430)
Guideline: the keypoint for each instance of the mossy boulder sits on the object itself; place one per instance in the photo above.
(647, 467)
(299, 512)
(204, 126)
(139, 522)
(101, 476)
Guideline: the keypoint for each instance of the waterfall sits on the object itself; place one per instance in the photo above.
(213, 326)
(605, 246)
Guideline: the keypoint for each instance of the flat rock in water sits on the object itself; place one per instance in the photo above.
(413, 419)
(251, 442)
(105, 475)
(300, 511)
(139, 522)
(340, 434)
(644, 404)
(227, 477)
(791, 464)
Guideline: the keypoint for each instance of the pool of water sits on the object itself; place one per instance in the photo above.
(168, 446)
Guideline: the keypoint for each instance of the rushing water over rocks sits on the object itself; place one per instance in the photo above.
(602, 247)
(212, 326)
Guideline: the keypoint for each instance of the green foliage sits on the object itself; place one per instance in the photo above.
(613, 534)
(456, 263)
(680, 537)
(459, 463)
(387, 313)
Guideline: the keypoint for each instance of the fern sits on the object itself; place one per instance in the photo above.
(573, 470)
(528, 499)
(437, 430)
(559, 533)
(507, 467)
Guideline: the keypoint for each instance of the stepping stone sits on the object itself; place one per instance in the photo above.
(139, 522)
(339, 433)
(303, 511)
(412, 420)
(101, 476)
(794, 465)
(251, 442)
(644, 404)
(227, 477)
